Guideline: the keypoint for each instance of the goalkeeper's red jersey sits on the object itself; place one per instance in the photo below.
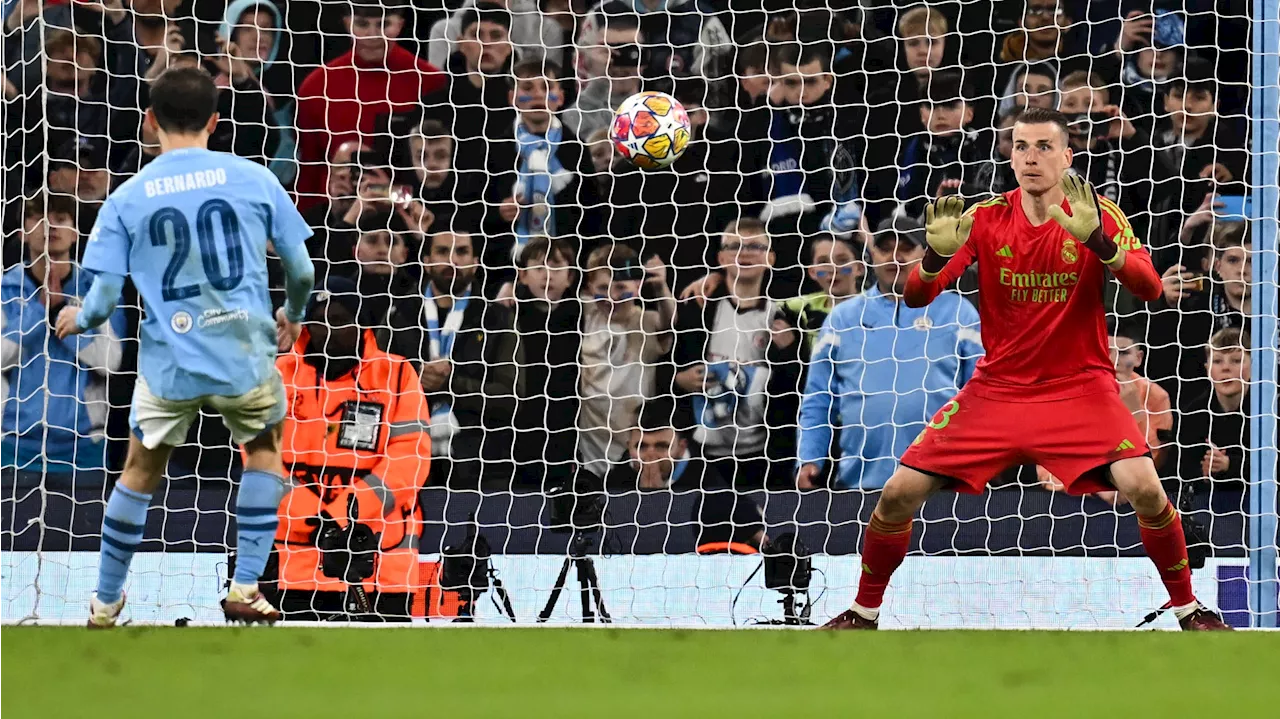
(1040, 300)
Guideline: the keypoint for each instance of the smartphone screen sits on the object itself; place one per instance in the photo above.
(1235, 208)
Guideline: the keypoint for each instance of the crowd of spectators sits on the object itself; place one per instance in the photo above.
(455, 167)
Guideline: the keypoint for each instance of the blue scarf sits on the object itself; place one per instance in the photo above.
(539, 178)
(784, 158)
(727, 384)
(441, 335)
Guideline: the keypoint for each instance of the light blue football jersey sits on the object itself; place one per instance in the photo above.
(191, 230)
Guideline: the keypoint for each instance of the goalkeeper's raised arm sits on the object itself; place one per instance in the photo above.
(947, 227)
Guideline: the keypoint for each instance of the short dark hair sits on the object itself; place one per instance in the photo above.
(433, 129)
(45, 204)
(376, 8)
(535, 68)
(472, 240)
(183, 99)
(946, 88)
(1129, 330)
(380, 222)
(796, 54)
(485, 12)
(810, 247)
(618, 16)
(1044, 116)
(1197, 76)
(752, 55)
(662, 414)
(546, 248)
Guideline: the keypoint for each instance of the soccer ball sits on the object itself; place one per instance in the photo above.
(650, 129)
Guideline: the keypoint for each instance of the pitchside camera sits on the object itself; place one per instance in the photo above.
(465, 566)
(347, 553)
(465, 569)
(788, 569)
(788, 566)
(577, 505)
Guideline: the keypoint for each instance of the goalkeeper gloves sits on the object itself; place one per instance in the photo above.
(1085, 221)
(946, 227)
(1085, 216)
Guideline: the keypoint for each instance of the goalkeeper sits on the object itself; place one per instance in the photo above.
(1045, 392)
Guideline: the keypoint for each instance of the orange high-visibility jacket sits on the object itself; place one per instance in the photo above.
(363, 433)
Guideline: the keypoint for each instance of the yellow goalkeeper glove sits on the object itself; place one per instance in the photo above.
(1085, 216)
(946, 227)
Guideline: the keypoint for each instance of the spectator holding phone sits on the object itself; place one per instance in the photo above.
(1197, 304)
(623, 336)
(1110, 152)
(1149, 49)
(1197, 151)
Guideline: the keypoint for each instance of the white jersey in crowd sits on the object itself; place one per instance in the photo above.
(738, 342)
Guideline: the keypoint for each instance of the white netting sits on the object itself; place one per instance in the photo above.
(436, 148)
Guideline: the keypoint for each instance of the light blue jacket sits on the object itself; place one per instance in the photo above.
(56, 405)
(879, 371)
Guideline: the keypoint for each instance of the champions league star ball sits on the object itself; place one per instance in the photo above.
(650, 129)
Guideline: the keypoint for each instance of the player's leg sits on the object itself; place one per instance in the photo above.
(963, 446)
(123, 523)
(1163, 538)
(157, 426)
(1094, 445)
(255, 421)
(888, 535)
(885, 544)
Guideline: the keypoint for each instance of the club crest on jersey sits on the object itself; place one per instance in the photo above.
(1070, 251)
(180, 322)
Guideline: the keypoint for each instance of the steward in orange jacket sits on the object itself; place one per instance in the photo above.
(356, 427)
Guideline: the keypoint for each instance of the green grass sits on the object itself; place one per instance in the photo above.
(480, 673)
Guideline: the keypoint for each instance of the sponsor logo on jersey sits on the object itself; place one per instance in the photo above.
(218, 316)
(1042, 280)
(1124, 445)
(180, 322)
(1070, 251)
(1005, 251)
(922, 323)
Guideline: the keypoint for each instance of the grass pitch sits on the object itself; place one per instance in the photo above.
(604, 673)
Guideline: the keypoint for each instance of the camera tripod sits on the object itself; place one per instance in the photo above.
(790, 617)
(468, 599)
(588, 583)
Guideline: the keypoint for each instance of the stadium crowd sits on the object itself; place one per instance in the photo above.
(455, 166)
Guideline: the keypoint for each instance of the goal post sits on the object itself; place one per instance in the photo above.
(1265, 502)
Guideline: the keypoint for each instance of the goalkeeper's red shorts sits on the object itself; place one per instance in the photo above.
(972, 439)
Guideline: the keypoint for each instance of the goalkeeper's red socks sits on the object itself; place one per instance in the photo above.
(1167, 547)
(884, 546)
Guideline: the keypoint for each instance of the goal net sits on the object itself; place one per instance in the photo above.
(627, 389)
